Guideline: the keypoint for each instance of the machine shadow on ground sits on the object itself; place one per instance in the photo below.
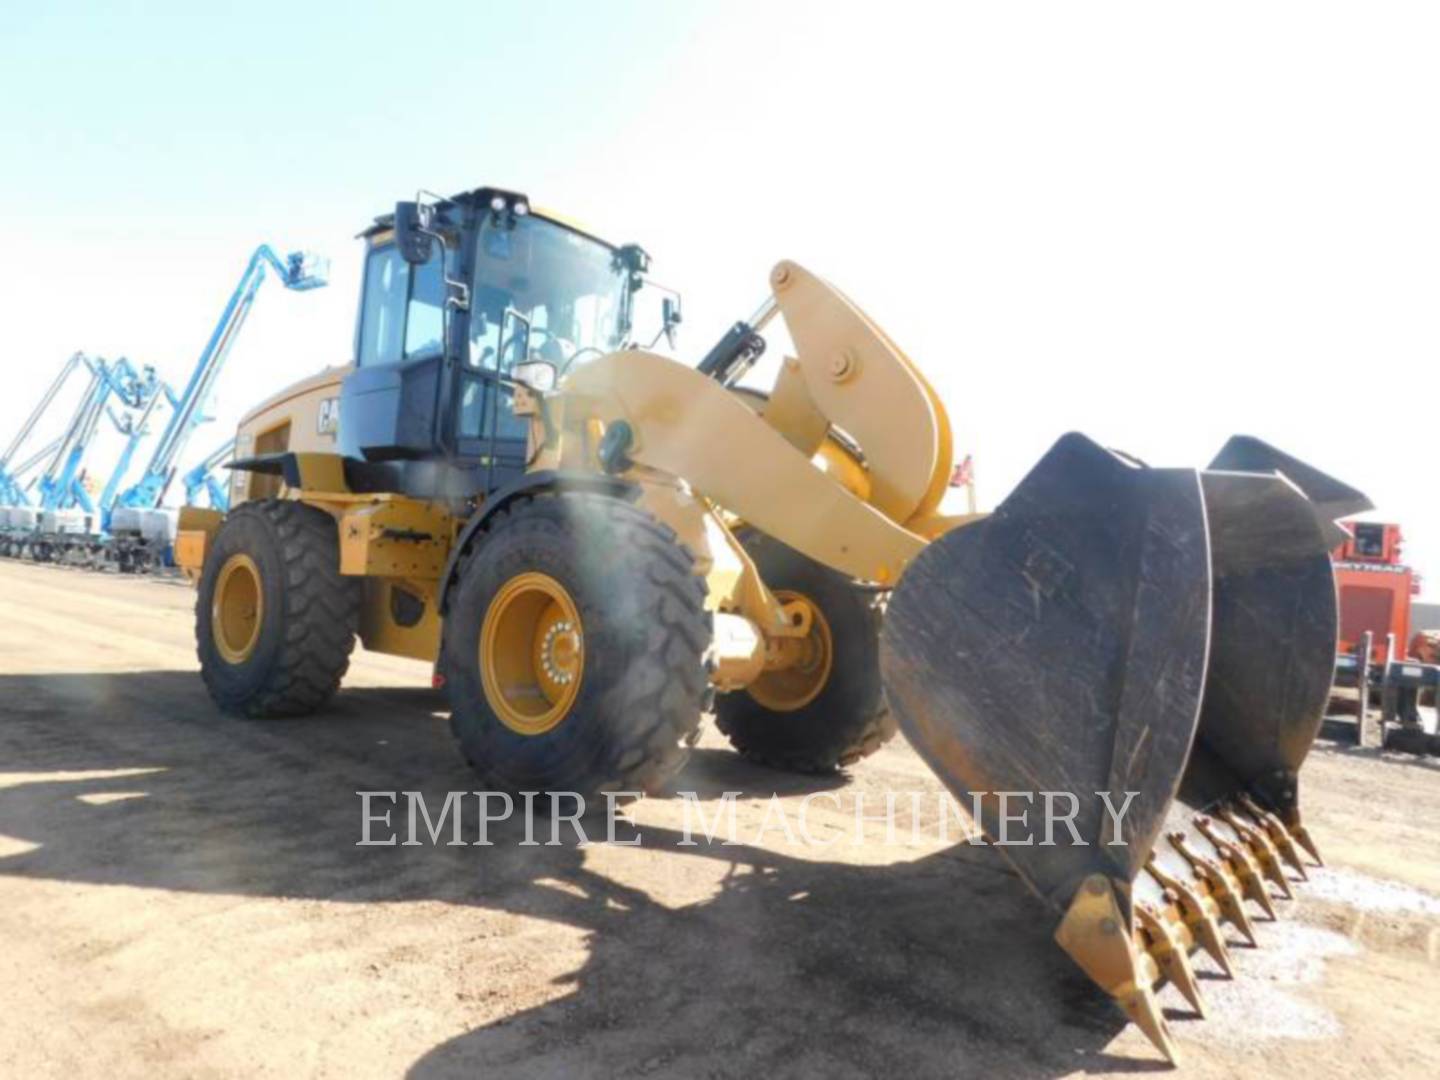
(793, 966)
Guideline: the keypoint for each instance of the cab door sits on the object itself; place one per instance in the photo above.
(487, 431)
(390, 403)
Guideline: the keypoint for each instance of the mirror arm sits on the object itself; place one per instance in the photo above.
(672, 317)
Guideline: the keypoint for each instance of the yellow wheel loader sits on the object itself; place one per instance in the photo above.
(595, 544)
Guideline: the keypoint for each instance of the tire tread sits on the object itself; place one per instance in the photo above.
(322, 616)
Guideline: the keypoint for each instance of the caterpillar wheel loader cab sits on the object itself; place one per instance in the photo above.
(594, 544)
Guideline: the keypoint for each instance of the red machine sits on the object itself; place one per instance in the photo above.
(1375, 589)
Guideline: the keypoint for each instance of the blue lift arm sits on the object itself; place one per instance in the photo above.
(202, 477)
(299, 271)
(62, 486)
(11, 492)
(55, 481)
(17, 474)
(134, 427)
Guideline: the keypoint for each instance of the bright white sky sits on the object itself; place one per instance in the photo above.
(1158, 225)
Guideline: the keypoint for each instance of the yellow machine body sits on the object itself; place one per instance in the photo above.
(845, 460)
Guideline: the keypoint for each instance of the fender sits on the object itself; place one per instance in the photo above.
(299, 469)
(531, 483)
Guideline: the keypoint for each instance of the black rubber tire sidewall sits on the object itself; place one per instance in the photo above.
(234, 684)
(644, 632)
(848, 719)
(310, 617)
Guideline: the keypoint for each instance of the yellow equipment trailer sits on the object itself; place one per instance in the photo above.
(595, 545)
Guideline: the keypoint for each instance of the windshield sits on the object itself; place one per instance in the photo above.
(574, 291)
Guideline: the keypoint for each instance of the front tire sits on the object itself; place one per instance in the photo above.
(828, 709)
(275, 621)
(574, 648)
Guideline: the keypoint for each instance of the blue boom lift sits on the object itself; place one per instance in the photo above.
(134, 426)
(128, 526)
(141, 532)
(67, 518)
(12, 491)
(18, 519)
(201, 479)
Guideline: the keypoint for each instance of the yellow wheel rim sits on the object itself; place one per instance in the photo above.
(805, 663)
(237, 609)
(532, 653)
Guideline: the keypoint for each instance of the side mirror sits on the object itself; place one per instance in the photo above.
(671, 317)
(538, 375)
(414, 244)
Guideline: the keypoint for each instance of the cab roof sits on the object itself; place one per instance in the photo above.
(482, 197)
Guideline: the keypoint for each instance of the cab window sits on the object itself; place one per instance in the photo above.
(382, 307)
(425, 314)
(403, 308)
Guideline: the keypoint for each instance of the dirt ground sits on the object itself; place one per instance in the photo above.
(182, 894)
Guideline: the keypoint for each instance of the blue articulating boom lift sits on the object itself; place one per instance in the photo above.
(133, 424)
(12, 492)
(138, 392)
(58, 482)
(141, 535)
(23, 487)
(17, 519)
(134, 427)
(127, 555)
(202, 479)
(60, 487)
(53, 484)
(67, 517)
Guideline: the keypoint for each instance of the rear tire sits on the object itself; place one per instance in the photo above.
(275, 621)
(846, 717)
(632, 679)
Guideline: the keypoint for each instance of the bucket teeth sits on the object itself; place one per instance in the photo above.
(1170, 955)
(1303, 837)
(1279, 835)
(1142, 1008)
(1223, 886)
(1198, 913)
(1261, 847)
(1099, 938)
(1241, 863)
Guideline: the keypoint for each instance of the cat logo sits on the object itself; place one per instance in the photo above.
(329, 418)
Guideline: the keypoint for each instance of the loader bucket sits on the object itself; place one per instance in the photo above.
(1329, 498)
(1162, 636)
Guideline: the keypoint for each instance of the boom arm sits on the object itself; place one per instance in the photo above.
(299, 271)
(848, 377)
(134, 428)
(61, 487)
(16, 492)
(10, 489)
(200, 477)
(66, 370)
(58, 478)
